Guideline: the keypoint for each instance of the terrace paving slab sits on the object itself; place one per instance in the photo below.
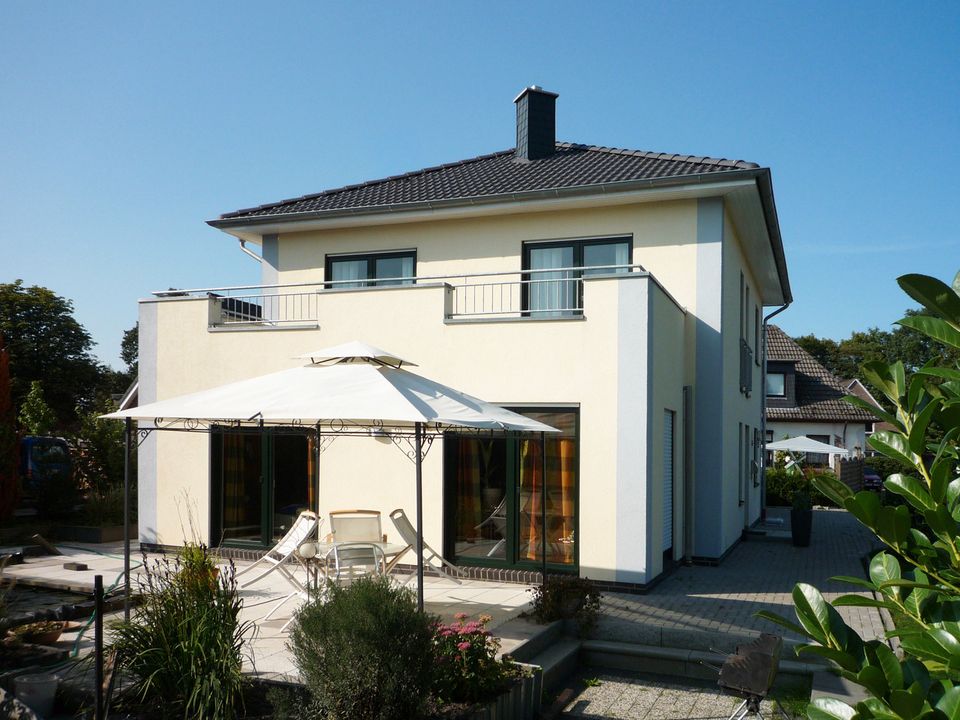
(714, 607)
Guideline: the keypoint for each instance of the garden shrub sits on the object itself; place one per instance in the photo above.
(917, 576)
(183, 645)
(783, 485)
(567, 597)
(365, 653)
(467, 669)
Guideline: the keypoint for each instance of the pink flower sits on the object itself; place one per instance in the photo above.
(463, 646)
(461, 616)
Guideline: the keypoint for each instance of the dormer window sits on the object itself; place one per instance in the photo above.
(776, 384)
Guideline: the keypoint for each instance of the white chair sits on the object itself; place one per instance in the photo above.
(356, 526)
(351, 560)
(432, 560)
(305, 526)
(498, 519)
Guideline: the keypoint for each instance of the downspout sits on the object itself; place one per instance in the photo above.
(247, 251)
(763, 414)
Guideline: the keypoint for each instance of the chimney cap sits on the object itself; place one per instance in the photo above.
(536, 89)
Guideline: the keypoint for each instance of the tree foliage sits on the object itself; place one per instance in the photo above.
(47, 343)
(917, 577)
(130, 350)
(36, 417)
(9, 485)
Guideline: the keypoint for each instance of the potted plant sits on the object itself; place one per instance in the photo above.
(801, 518)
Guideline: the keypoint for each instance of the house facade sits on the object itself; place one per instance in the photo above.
(616, 295)
(804, 398)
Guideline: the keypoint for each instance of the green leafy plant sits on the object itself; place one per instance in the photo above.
(183, 646)
(36, 417)
(466, 666)
(917, 576)
(567, 597)
(365, 653)
(802, 501)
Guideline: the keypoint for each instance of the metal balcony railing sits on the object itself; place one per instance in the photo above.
(536, 294)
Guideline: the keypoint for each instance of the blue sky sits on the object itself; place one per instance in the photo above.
(123, 126)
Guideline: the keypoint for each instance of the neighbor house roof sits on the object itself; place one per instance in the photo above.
(819, 393)
(498, 174)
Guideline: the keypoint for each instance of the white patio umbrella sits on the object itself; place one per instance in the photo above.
(353, 384)
(806, 445)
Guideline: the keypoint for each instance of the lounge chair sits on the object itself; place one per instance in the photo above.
(303, 528)
(432, 560)
(498, 519)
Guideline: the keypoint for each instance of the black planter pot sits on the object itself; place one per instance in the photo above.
(801, 523)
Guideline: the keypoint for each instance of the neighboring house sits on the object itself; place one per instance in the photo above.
(855, 387)
(615, 294)
(804, 398)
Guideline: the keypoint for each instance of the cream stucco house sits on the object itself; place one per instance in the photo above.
(617, 295)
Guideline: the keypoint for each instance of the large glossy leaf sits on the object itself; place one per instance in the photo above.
(829, 709)
(845, 660)
(912, 489)
(833, 488)
(813, 612)
(935, 295)
(937, 645)
(874, 410)
(949, 704)
(915, 601)
(782, 622)
(894, 446)
(890, 665)
(893, 525)
(939, 330)
(873, 679)
(941, 522)
(883, 567)
(907, 703)
(864, 506)
(862, 601)
(940, 372)
(917, 437)
(881, 376)
(877, 709)
(855, 581)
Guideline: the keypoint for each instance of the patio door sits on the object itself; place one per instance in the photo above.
(496, 491)
(260, 480)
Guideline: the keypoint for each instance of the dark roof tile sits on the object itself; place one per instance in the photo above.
(500, 174)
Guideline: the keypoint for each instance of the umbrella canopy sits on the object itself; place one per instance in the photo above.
(806, 445)
(354, 383)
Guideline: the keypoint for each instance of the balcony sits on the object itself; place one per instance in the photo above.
(555, 293)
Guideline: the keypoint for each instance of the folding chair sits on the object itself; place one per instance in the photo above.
(430, 556)
(356, 526)
(306, 524)
(351, 560)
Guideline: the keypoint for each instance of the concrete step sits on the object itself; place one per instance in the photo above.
(522, 639)
(560, 660)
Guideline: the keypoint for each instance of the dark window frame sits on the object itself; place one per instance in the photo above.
(370, 258)
(776, 395)
(578, 244)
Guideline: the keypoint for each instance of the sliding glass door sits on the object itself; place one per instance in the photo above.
(260, 482)
(501, 508)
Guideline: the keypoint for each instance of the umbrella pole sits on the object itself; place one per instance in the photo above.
(543, 507)
(126, 519)
(316, 472)
(419, 447)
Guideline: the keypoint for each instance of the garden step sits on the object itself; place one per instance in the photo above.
(522, 639)
(558, 661)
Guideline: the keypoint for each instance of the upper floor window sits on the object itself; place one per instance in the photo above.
(554, 288)
(371, 269)
(776, 384)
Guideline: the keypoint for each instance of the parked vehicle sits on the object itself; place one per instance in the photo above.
(872, 480)
(42, 459)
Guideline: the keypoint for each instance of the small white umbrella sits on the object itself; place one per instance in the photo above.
(806, 445)
(353, 383)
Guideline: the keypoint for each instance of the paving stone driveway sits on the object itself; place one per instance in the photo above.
(713, 607)
(649, 698)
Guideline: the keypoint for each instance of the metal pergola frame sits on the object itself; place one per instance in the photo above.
(413, 440)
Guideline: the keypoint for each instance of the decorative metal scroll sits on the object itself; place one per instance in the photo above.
(407, 445)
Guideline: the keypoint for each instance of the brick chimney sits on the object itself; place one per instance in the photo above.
(536, 123)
